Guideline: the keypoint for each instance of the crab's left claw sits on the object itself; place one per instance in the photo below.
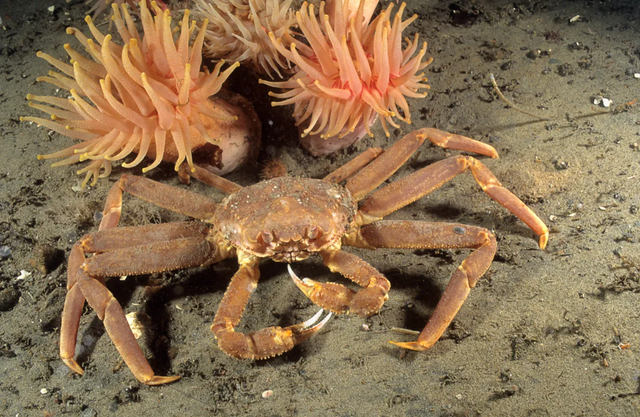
(306, 329)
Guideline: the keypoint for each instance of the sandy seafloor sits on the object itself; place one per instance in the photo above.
(544, 333)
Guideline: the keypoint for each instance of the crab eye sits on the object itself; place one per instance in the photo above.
(267, 237)
(313, 232)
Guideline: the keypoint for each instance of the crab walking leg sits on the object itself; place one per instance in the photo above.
(353, 166)
(340, 299)
(127, 237)
(165, 196)
(413, 187)
(110, 312)
(384, 166)
(423, 235)
(462, 143)
(377, 172)
(207, 177)
(73, 305)
(262, 344)
(166, 246)
(154, 257)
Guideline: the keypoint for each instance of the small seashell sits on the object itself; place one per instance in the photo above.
(138, 322)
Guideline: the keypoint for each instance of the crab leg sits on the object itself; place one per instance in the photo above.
(127, 237)
(412, 187)
(354, 165)
(423, 235)
(448, 140)
(384, 166)
(126, 251)
(377, 172)
(264, 343)
(73, 305)
(207, 177)
(340, 299)
(115, 322)
(165, 196)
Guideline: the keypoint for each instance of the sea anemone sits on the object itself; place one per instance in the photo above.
(148, 97)
(350, 72)
(238, 31)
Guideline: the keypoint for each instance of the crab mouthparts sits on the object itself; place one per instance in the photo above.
(289, 246)
(290, 254)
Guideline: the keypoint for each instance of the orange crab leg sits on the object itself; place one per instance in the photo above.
(412, 187)
(115, 322)
(154, 257)
(384, 166)
(462, 143)
(127, 251)
(207, 177)
(377, 172)
(73, 305)
(262, 344)
(353, 166)
(127, 237)
(423, 235)
(165, 196)
(340, 299)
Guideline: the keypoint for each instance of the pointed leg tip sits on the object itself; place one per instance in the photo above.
(410, 345)
(160, 380)
(544, 239)
(73, 365)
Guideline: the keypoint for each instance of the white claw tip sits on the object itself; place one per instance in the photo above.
(293, 274)
(313, 319)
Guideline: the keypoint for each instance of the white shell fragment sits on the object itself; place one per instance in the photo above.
(636, 75)
(23, 274)
(602, 101)
(574, 18)
(51, 8)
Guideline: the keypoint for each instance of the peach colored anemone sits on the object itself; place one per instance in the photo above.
(147, 97)
(350, 72)
(238, 31)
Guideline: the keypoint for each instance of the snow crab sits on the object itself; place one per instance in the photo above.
(286, 219)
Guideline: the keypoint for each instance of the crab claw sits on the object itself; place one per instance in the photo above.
(269, 342)
(306, 329)
(330, 296)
